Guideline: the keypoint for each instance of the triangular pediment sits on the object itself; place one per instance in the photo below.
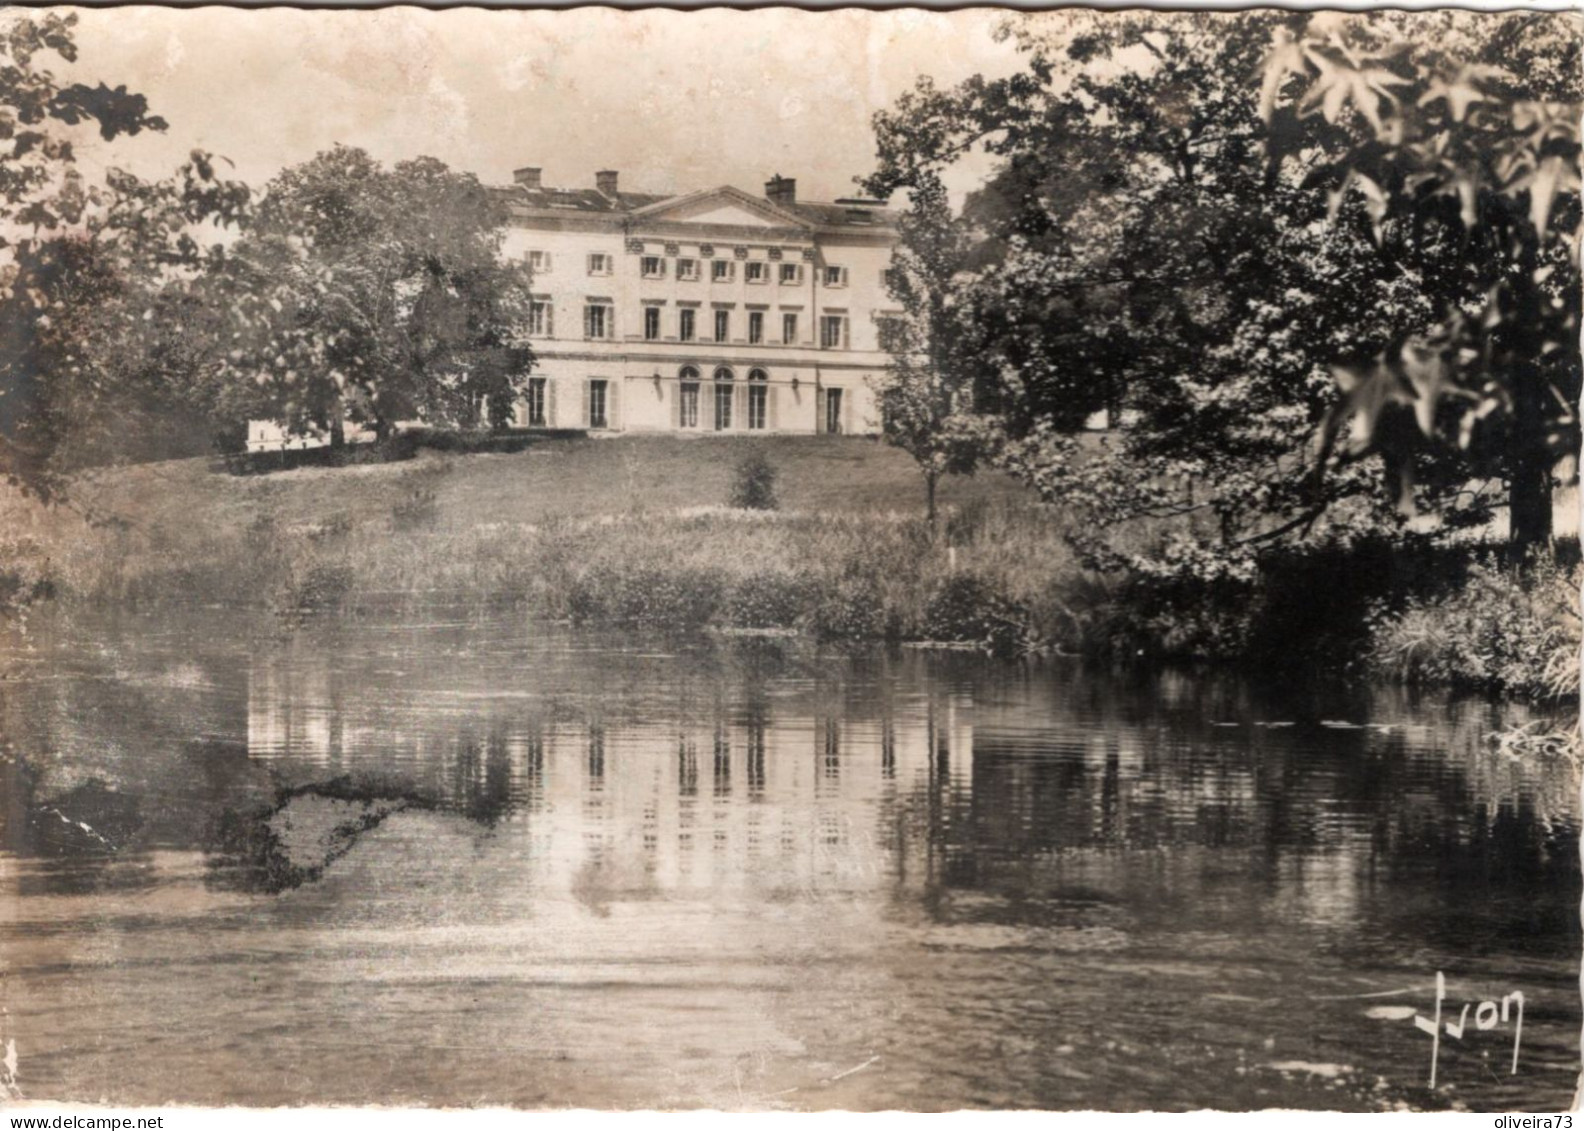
(725, 206)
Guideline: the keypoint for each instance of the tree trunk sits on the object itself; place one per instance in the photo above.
(1529, 467)
(930, 479)
(1529, 463)
(337, 430)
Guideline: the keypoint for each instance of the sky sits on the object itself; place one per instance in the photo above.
(675, 101)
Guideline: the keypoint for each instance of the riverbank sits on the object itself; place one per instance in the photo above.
(636, 533)
(628, 532)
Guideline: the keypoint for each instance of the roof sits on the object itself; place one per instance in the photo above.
(525, 201)
(835, 215)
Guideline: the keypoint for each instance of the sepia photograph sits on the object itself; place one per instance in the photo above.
(789, 560)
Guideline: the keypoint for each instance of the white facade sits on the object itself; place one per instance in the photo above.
(711, 312)
(714, 311)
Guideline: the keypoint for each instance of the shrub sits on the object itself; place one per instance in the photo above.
(675, 598)
(765, 600)
(848, 608)
(754, 483)
(1505, 629)
(966, 608)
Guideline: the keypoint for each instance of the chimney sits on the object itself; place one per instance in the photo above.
(781, 190)
(528, 177)
(605, 181)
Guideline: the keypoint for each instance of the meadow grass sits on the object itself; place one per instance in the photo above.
(637, 532)
(633, 531)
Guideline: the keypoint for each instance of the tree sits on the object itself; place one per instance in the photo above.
(927, 397)
(80, 264)
(1142, 254)
(1135, 258)
(1467, 138)
(375, 295)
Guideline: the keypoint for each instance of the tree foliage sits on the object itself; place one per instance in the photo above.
(1461, 145)
(88, 272)
(1148, 244)
(374, 295)
(927, 399)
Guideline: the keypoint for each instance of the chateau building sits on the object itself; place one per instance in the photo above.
(712, 311)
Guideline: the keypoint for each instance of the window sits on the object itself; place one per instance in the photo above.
(789, 329)
(723, 399)
(833, 410)
(755, 327)
(541, 319)
(791, 273)
(653, 267)
(539, 262)
(687, 270)
(755, 271)
(536, 402)
(835, 276)
(688, 398)
(597, 397)
(722, 270)
(722, 325)
(833, 332)
(687, 319)
(599, 264)
(598, 320)
(758, 399)
(651, 323)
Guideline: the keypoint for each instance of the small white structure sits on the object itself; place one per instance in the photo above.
(268, 436)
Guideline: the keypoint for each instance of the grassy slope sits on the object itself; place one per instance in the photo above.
(597, 521)
(634, 530)
(566, 479)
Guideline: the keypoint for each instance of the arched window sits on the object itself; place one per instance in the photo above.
(758, 400)
(688, 397)
(723, 373)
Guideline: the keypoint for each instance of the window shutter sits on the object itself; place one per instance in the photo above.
(549, 322)
(772, 416)
(740, 405)
(550, 402)
(547, 266)
(584, 417)
(676, 405)
(613, 404)
(845, 340)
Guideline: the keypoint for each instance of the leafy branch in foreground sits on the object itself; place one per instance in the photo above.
(1468, 140)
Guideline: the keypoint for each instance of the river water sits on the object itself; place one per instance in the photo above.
(446, 861)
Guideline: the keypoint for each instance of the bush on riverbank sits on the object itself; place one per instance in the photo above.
(1504, 629)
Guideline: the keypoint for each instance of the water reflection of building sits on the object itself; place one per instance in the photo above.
(656, 776)
(718, 794)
